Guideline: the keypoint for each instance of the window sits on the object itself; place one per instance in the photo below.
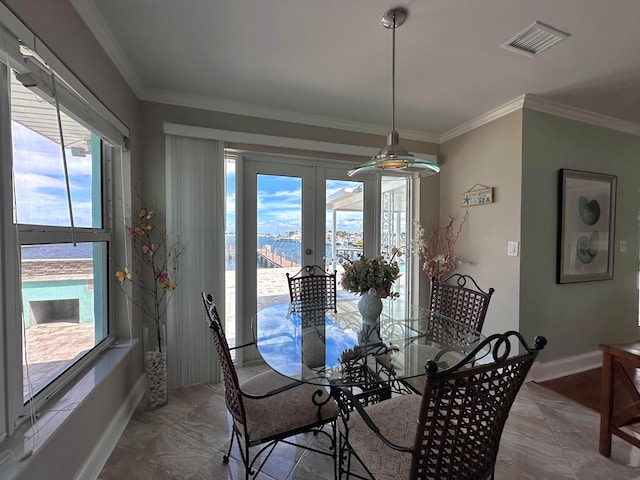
(394, 230)
(55, 227)
(58, 218)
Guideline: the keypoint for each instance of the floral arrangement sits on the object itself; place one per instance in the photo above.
(436, 253)
(156, 268)
(376, 273)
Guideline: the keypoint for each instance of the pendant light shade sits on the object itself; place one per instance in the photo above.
(393, 157)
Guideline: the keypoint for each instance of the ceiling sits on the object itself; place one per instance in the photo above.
(328, 62)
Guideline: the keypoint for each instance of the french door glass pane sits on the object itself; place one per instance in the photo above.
(230, 252)
(344, 223)
(393, 226)
(279, 236)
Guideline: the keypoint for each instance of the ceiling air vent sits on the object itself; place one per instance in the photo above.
(534, 39)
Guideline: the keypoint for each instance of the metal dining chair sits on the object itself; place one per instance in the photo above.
(312, 289)
(269, 408)
(452, 430)
(459, 298)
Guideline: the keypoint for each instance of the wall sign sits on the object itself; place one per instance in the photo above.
(477, 195)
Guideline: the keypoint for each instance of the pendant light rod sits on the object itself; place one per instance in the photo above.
(393, 74)
(392, 19)
(392, 157)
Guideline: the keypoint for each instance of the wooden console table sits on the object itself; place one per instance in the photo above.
(616, 360)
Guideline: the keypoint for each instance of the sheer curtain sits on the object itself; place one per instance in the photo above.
(195, 176)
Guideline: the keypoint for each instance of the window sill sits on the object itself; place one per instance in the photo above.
(66, 432)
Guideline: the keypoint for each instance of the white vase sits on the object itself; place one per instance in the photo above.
(156, 371)
(370, 307)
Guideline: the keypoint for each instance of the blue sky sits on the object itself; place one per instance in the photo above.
(279, 204)
(41, 196)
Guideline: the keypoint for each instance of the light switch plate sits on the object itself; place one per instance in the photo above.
(512, 249)
(623, 246)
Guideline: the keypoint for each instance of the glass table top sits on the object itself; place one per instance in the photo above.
(322, 347)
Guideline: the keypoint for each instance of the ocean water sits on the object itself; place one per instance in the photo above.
(58, 250)
(288, 249)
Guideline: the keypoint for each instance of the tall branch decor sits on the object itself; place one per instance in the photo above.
(155, 268)
(155, 274)
(435, 252)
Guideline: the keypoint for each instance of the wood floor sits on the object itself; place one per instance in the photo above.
(584, 388)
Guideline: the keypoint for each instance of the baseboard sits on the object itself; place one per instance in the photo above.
(541, 372)
(93, 465)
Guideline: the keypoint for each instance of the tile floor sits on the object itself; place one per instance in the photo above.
(546, 437)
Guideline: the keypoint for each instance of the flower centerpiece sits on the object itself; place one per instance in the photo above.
(376, 273)
(155, 269)
(436, 253)
(372, 278)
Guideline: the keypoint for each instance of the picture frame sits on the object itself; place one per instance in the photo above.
(586, 226)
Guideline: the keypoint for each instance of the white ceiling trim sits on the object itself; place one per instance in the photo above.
(89, 14)
(275, 141)
(546, 106)
(237, 108)
(573, 113)
(501, 111)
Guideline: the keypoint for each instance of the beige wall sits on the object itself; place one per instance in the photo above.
(154, 115)
(576, 317)
(64, 451)
(489, 155)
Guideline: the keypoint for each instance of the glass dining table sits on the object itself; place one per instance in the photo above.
(337, 349)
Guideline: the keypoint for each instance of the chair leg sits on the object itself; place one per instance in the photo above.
(225, 458)
(343, 455)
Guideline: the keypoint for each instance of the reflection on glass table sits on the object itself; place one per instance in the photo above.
(332, 347)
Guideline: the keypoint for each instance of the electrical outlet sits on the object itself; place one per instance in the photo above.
(623, 246)
(512, 249)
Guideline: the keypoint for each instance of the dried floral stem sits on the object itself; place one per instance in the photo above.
(436, 255)
(156, 268)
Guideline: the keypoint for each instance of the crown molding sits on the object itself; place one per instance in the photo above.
(238, 108)
(501, 111)
(538, 104)
(92, 18)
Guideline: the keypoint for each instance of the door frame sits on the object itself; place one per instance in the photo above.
(316, 171)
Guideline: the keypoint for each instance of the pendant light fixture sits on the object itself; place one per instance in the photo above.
(393, 157)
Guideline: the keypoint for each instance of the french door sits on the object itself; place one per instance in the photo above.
(296, 213)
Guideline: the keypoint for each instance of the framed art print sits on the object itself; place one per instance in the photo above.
(586, 226)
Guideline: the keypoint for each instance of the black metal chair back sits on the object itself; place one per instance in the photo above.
(455, 297)
(464, 410)
(312, 289)
(456, 424)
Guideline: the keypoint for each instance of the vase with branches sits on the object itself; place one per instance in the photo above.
(435, 252)
(155, 274)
